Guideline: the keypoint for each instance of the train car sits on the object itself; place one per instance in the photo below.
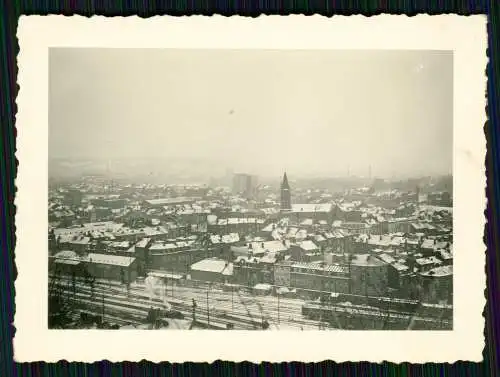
(317, 310)
(230, 287)
(444, 311)
(396, 304)
(311, 310)
(175, 302)
(386, 303)
(174, 314)
(357, 316)
(353, 299)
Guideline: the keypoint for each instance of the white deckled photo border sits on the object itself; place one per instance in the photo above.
(465, 36)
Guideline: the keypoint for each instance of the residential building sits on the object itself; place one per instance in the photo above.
(213, 270)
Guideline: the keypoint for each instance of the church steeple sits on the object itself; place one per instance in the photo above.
(285, 184)
(286, 202)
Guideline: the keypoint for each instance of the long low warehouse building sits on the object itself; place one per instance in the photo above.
(100, 266)
(212, 269)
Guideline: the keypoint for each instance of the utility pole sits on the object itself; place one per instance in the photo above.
(73, 281)
(103, 298)
(165, 290)
(208, 310)
(102, 306)
(278, 308)
(194, 310)
(92, 283)
(68, 288)
(172, 282)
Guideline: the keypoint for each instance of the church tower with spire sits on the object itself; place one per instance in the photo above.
(286, 200)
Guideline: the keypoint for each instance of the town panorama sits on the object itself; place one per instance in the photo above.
(244, 252)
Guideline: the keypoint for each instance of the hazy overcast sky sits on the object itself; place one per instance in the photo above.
(320, 112)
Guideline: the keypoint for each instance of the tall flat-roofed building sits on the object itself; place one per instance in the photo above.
(245, 184)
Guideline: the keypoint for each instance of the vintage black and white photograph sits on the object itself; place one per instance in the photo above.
(262, 190)
(252, 189)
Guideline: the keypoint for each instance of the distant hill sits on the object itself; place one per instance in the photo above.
(152, 170)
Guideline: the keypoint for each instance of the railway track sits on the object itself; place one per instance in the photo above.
(243, 311)
(134, 307)
(223, 308)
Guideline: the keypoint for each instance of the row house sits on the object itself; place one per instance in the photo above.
(437, 284)
(241, 225)
(319, 277)
(250, 270)
(173, 259)
(317, 212)
(368, 275)
(306, 251)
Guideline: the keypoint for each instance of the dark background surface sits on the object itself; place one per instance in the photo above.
(11, 10)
